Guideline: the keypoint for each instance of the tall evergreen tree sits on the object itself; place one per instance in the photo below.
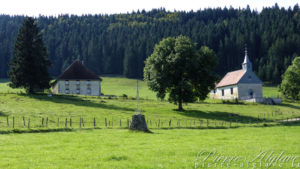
(29, 66)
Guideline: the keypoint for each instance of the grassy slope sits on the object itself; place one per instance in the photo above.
(34, 106)
(123, 149)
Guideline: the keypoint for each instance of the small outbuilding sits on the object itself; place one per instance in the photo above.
(77, 79)
(241, 84)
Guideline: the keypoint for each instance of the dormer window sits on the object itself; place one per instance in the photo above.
(88, 82)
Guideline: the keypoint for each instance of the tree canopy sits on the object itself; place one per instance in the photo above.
(177, 68)
(290, 85)
(29, 66)
(120, 43)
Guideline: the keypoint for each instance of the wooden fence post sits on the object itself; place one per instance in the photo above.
(70, 121)
(94, 122)
(7, 121)
(66, 123)
(28, 122)
(170, 123)
(24, 121)
(80, 122)
(42, 121)
(105, 122)
(58, 122)
(13, 122)
(47, 122)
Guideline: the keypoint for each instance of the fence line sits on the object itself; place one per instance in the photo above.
(13, 122)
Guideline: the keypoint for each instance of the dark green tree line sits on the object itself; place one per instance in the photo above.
(120, 43)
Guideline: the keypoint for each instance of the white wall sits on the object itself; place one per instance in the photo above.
(95, 86)
(243, 90)
(227, 93)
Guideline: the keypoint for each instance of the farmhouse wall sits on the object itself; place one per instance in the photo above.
(85, 87)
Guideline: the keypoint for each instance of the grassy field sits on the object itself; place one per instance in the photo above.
(162, 149)
(120, 148)
(14, 103)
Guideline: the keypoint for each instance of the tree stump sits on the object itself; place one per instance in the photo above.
(139, 123)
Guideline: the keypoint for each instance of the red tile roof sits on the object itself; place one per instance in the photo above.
(231, 78)
(77, 71)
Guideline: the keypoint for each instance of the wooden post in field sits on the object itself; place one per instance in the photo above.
(127, 123)
(120, 123)
(94, 122)
(66, 123)
(158, 123)
(170, 123)
(58, 122)
(80, 122)
(42, 121)
(106, 122)
(70, 121)
(13, 122)
(28, 122)
(47, 122)
(7, 122)
(24, 121)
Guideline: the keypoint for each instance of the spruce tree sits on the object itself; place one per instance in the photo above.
(29, 66)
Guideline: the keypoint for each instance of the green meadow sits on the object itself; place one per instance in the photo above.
(202, 127)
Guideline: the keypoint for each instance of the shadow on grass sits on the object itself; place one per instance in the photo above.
(3, 114)
(77, 101)
(289, 105)
(47, 130)
(218, 115)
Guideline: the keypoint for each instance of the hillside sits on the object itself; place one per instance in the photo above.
(118, 44)
(14, 103)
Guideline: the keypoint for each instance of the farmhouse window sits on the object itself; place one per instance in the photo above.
(222, 92)
(67, 91)
(67, 82)
(77, 91)
(89, 91)
(231, 91)
(88, 82)
(77, 82)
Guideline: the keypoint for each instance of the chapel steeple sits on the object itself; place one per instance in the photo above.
(247, 65)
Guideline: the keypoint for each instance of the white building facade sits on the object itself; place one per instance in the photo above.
(77, 79)
(241, 84)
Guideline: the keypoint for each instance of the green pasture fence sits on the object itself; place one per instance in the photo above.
(16, 122)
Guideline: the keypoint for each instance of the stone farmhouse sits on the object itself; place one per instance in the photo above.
(240, 84)
(77, 79)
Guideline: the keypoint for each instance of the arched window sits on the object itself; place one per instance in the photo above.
(250, 93)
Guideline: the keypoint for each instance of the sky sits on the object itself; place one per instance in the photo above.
(81, 7)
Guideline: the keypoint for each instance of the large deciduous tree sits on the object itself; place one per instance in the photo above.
(176, 67)
(290, 85)
(29, 66)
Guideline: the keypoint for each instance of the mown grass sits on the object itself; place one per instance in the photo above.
(162, 149)
(17, 104)
(71, 147)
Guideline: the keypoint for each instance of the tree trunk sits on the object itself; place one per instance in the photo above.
(180, 105)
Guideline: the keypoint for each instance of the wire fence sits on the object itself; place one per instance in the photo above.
(12, 122)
